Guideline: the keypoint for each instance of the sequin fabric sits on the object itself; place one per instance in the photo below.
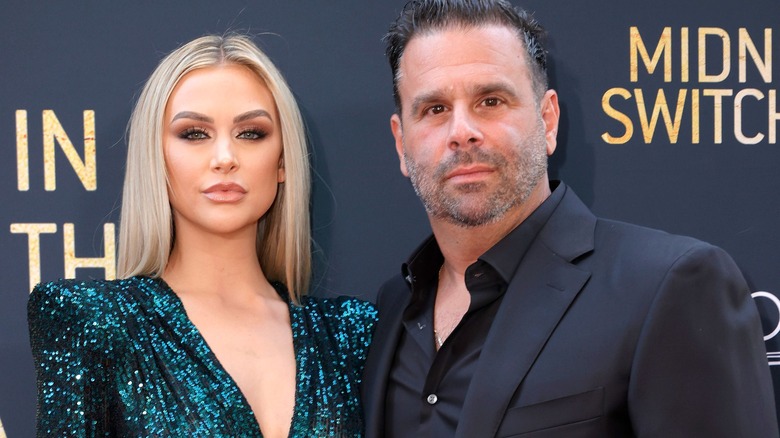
(121, 358)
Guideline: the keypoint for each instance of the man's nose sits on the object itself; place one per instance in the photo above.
(464, 129)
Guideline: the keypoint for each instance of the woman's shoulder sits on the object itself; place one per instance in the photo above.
(348, 321)
(71, 299)
(87, 292)
(342, 309)
(342, 325)
(70, 294)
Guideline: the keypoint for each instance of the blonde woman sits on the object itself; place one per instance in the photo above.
(208, 333)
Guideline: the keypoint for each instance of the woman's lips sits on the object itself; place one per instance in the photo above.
(225, 192)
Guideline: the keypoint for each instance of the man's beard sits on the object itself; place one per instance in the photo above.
(476, 204)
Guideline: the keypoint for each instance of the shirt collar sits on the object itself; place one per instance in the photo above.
(422, 267)
(505, 256)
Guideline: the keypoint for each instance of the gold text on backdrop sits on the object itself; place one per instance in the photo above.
(71, 262)
(85, 169)
(691, 103)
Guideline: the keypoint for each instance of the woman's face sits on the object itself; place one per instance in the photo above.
(223, 151)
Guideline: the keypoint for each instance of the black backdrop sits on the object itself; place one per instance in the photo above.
(716, 181)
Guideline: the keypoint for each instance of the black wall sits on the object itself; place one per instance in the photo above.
(86, 55)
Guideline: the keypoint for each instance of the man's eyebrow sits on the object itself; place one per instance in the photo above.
(251, 115)
(494, 87)
(192, 115)
(425, 98)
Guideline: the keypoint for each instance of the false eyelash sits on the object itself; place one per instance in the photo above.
(258, 132)
(193, 130)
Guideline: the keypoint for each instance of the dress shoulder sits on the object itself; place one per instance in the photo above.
(74, 326)
(346, 321)
(65, 304)
(83, 308)
(342, 313)
(70, 292)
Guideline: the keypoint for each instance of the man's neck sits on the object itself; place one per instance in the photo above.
(461, 246)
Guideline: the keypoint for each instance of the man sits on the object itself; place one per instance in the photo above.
(525, 315)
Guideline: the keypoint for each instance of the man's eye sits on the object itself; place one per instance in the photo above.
(252, 134)
(436, 109)
(491, 101)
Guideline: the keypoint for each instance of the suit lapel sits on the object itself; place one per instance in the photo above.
(542, 289)
(528, 315)
(393, 299)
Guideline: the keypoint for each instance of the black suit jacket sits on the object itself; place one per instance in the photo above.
(606, 330)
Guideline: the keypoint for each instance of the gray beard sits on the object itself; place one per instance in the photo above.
(472, 205)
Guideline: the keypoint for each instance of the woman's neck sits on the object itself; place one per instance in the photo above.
(216, 264)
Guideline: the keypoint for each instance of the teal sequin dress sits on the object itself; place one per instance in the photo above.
(121, 358)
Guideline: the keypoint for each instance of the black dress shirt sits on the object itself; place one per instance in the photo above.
(427, 388)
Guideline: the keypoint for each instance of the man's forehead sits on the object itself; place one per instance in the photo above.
(468, 30)
(435, 58)
(460, 42)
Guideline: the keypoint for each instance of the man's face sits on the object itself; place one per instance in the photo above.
(473, 136)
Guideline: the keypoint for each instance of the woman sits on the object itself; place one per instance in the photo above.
(201, 337)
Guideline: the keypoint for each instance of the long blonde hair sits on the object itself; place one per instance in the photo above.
(146, 233)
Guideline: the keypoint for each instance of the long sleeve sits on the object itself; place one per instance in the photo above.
(700, 366)
(68, 351)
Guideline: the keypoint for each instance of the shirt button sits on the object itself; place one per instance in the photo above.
(432, 399)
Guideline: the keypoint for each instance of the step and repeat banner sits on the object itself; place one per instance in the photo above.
(670, 119)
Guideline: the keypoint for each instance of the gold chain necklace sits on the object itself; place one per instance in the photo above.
(440, 335)
(438, 339)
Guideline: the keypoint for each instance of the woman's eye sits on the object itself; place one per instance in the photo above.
(252, 134)
(194, 134)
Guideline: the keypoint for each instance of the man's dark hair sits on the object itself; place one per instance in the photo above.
(426, 16)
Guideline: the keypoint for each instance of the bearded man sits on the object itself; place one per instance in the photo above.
(524, 314)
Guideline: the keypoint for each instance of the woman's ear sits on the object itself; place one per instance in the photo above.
(280, 171)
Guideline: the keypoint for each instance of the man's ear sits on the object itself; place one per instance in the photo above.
(398, 134)
(551, 114)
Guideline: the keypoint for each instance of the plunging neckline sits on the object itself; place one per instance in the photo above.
(217, 365)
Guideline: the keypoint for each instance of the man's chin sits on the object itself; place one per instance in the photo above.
(471, 188)
(473, 217)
